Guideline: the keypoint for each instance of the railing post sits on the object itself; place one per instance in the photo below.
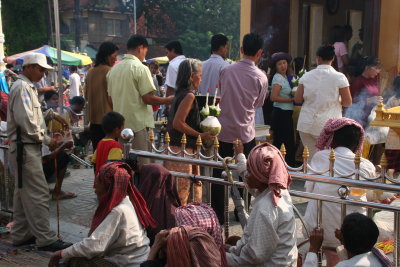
(216, 148)
(384, 164)
(151, 138)
(357, 162)
(343, 193)
(283, 150)
(332, 159)
(319, 213)
(127, 136)
(183, 145)
(319, 225)
(167, 140)
(306, 155)
(396, 251)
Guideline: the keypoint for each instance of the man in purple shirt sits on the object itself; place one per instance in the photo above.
(243, 89)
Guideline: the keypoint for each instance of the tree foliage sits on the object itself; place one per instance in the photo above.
(196, 21)
(24, 24)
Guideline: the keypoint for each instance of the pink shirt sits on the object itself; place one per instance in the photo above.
(243, 89)
(340, 50)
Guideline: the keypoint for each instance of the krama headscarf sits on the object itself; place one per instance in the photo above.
(158, 188)
(191, 246)
(325, 138)
(117, 177)
(267, 165)
(201, 215)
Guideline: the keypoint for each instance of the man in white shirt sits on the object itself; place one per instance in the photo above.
(358, 234)
(74, 82)
(213, 66)
(346, 137)
(175, 56)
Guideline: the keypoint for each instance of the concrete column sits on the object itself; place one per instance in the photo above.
(2, 64)
(389, 36)
(245, 17)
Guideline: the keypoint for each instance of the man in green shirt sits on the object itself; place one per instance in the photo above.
(131, 89)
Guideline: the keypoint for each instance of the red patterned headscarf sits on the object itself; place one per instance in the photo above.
(117, 178)
(267, 165)
(325, 138)
(198, 214)
(191, 246)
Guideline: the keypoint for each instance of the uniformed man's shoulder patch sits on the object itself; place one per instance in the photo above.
(26, 98)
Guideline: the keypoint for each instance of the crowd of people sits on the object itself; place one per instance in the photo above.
(144, 216)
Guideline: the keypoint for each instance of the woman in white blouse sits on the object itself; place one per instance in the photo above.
(323, 92)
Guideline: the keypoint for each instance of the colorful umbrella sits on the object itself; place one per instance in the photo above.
(160, 60)
(67, 58)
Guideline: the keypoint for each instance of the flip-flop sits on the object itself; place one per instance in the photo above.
(64, 195)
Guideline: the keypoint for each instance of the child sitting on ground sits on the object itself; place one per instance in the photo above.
(108, 148)
(358, 234)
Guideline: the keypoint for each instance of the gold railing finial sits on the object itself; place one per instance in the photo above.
(379, 109)
(183, 140)
(283, 150)
(306, 153)
(384, 162)
(167, 138)
(151, 136)
(216, 143)
(357, 158)
(199, 142)
(332, 156)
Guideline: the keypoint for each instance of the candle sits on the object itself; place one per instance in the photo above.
(215, 96)
(208, 93)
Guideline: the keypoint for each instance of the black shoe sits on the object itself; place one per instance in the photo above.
(58, 245)
(30, 241)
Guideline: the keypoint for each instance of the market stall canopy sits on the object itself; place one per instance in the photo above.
(160, 60)
(67, 58)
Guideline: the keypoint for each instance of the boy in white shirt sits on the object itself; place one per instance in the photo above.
(358, 234)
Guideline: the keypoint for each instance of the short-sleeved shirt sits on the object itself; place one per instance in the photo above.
(74, 85)
(107, 149)
(360, 84)
(340, 50)
(243, 89)
(96, 93)
(172, 71)
(321, 98)
(211, 72)
(128, 81)
(285, 92)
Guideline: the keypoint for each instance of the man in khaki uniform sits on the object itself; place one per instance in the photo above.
(26, 130)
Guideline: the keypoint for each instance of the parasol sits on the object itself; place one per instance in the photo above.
(67, 58)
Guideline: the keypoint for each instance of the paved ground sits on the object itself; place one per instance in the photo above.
(76, 214)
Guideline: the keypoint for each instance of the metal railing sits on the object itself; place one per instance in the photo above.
(305, 173)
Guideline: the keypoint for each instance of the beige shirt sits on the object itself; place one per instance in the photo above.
(24, 111)
(128, 81)
(96, 93)
(269, 238)
(120, 239)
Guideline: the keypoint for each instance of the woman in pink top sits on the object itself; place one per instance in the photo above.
(340, 35)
